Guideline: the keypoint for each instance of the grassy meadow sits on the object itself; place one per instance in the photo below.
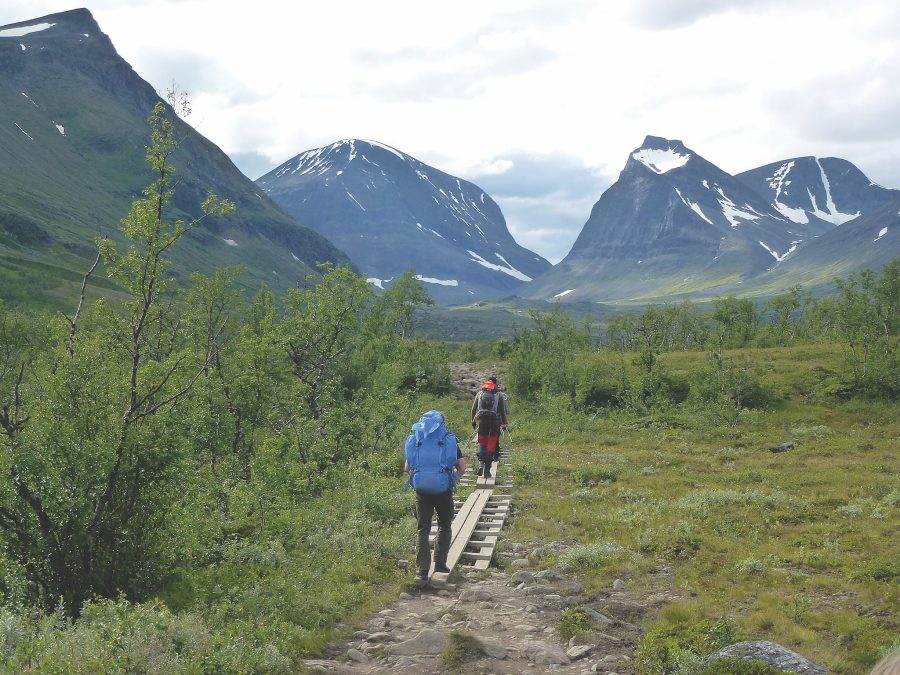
(799, 547)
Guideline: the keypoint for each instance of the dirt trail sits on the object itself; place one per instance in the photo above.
(514, 619)
(504, 620)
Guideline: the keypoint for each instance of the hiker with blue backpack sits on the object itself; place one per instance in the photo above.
(434, 463)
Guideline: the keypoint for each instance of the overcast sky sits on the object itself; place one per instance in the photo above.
(538, 102)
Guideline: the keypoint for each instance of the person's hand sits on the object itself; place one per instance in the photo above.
(473, 425)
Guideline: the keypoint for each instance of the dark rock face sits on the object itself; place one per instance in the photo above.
(73, 131)
(390, 212)
(817, 193)
(674, 225)
(773, 654)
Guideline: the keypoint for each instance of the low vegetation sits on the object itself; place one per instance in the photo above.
(194, 482)
(795, 546)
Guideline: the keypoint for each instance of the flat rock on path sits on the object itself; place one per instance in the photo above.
(514, 631)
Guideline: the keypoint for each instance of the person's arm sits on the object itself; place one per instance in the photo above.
(475, 408)
(406, 467)
(461, 466)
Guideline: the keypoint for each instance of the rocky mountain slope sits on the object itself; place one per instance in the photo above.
(390, 212)
(675, 225)
(72, 135)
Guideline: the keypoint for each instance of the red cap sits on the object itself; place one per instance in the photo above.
(488, 385)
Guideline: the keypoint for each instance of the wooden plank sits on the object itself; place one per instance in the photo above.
(463, 525)
(479, 555)
(488, 483)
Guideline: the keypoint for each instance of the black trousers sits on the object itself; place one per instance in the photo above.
(426, 505)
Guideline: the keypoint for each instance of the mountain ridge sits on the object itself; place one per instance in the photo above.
(674, 225)
(73, 133)
(390, 212)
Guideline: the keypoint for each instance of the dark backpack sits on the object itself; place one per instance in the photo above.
(488, 404)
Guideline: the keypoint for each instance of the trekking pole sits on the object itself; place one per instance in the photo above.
(508, 435)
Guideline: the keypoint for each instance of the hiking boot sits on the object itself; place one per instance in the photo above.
(488, 475)
(442, 568)
(422, 575)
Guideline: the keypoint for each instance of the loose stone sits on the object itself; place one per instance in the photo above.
(358, 656)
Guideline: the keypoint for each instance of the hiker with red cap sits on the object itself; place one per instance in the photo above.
(489, 414)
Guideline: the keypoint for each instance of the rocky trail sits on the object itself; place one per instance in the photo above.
(501, 622)
(506, 619)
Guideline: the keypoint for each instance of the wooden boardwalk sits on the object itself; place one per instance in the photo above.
(479, 519)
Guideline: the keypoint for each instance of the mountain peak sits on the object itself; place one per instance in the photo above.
(74, 20)
(374, 201)
(661, 155)
(658, 142)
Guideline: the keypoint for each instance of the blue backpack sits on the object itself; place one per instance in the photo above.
(433, 462)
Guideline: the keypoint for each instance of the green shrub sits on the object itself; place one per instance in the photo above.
(525, 470)
(461, 647)
(598, 381)
(704, 501)
(574, 622)
(879, 569)
(590, 556)
(591, 476)
(664, 645)
(728, 380)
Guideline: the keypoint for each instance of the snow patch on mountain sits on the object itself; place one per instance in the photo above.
(832, 215)
(565, 293)
(60, 128)
(693, 206)
(30, 137)
(424, 229)
(776, 255)
(355, 200)
(440, 282)
(883, 232)
(230, 242)
(386, 147)
(660, 161)
(25, 30)
(795, 215)
(731, 211)
(778, 181)
(510, 270)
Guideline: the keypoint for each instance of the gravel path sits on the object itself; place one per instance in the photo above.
(500, 623)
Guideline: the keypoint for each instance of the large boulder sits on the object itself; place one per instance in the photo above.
(773, 654)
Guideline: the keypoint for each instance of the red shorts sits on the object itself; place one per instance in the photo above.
(489, 442)
(489, 434)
